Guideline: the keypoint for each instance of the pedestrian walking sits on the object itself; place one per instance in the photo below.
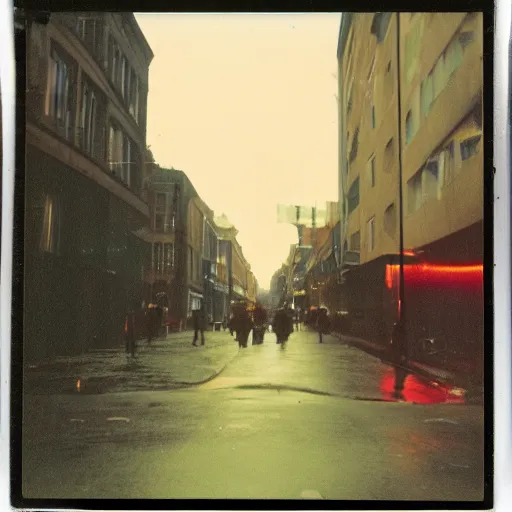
(129, 332)
(282, 325)
(199, 319)
(244, 326)
(322, 323)
(151, 322)
(297, 320)
(260, 324)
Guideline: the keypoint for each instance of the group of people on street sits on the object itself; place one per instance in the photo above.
(150, 317)
(240, 323)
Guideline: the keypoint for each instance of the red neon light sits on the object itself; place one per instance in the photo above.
(425, 267)
(389, 276)
(436, 275)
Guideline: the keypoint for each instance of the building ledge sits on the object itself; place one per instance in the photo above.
(73, 158)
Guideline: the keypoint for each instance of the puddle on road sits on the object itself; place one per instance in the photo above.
(416, 390)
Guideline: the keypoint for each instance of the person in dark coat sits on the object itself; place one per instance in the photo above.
(159, 316)
(260, 324)
(244, 326)
(282, 324)
(199, 319)
(297, 320)
(152, 322)
(129, 331)
(323, 323)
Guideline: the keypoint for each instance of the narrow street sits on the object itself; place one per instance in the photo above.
(304, 420)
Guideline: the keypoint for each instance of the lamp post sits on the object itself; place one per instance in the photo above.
(399, 333)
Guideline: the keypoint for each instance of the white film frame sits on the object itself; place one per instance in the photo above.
(502, 251)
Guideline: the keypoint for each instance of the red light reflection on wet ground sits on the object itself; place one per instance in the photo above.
(420, 391)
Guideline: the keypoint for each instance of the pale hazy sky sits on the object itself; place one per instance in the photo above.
(245, 105)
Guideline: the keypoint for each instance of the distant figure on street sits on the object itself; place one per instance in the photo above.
(225, 323)
(151, 322)
(297, 320)
(199, 318)
(129, 331)
(282, 325)
(159, 314)
(322, 323)
(244, 325)
(231, 324)
(260, 324)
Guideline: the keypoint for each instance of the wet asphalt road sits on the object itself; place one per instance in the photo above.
(276, 423)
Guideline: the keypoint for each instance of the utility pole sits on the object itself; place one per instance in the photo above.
(400, 333)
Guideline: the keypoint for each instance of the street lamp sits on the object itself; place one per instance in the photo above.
(399, 333)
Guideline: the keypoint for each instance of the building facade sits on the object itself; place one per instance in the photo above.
(441, 80)
(442, 91)
(87, 83)
(175, 233)
(241, 283)
(210, 256)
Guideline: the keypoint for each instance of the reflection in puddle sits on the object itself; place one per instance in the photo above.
(420, 391)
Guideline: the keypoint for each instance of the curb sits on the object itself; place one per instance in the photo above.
(185, 385)
(67, 382)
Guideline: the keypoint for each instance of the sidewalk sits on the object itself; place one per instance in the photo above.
(465, 381)
(168, 363)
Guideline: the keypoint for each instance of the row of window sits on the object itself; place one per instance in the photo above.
(163, 257)
(438, 172)
(194, 265)
(119, 151)
(390, 227)
(123, 155)
(435, 82)
(353, 192)
(355, 238)
(103, 46)
(123, 76)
